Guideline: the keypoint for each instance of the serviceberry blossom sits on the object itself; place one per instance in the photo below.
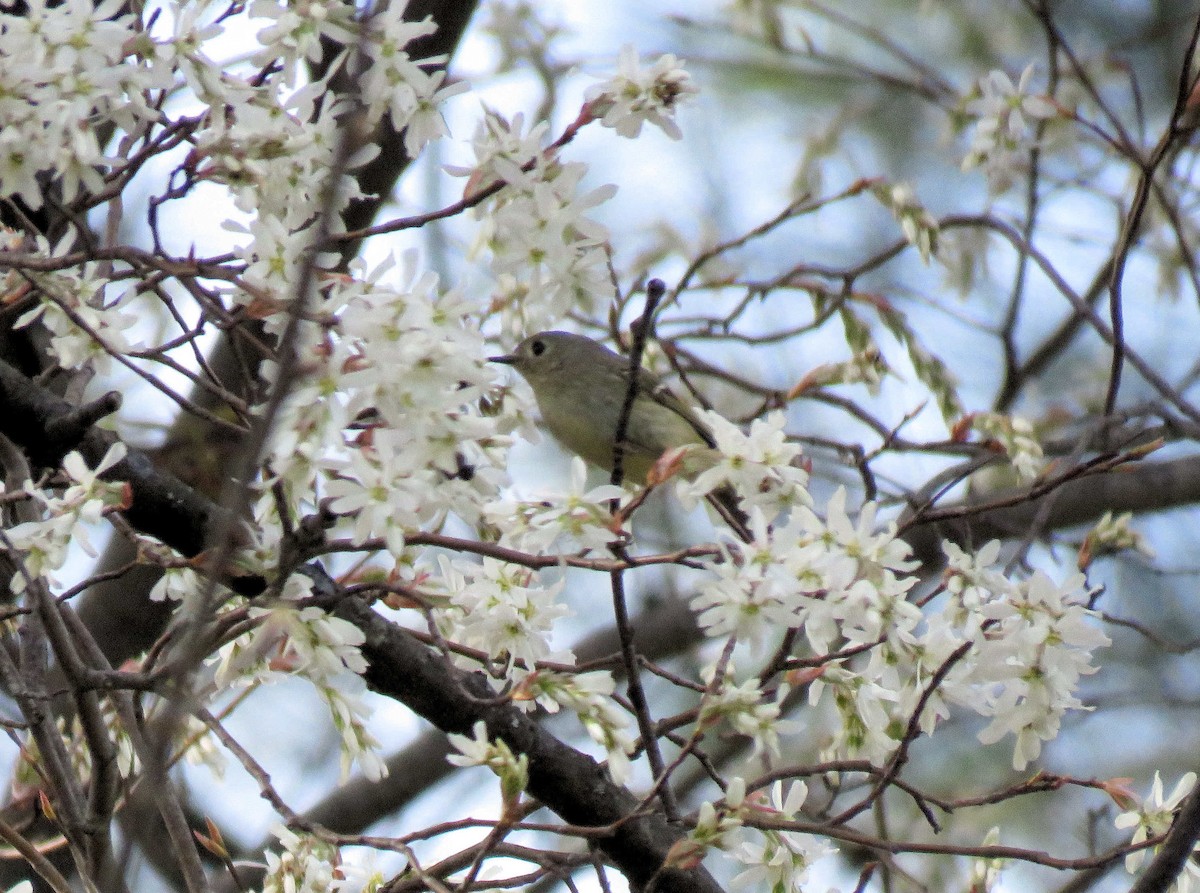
(42, 544)
(273, 150)
(177, 584)
(918, 225)
(1111, 534)
(1051, 642)
(986, 873)
(777, 860)
(88, 325)
(547, 255)
(1154, 817)
(749, 710)
(297, 29)
(1016, 437)
(744, 597)
(391, 82)
(590, 696)
(758, 464)
(385, 419)
(576, 520)
(1033, 640)
(477, 750)
(498, 608)
(1003, 113)
(637, 95)
(309, 643)
(1013, 650)
(379, 488)
(503, 150)
(66, 74)
(271, 142)
(716, 823)
(400, 86)
(307, 864)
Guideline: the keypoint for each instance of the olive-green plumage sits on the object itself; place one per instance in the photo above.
(581, 385)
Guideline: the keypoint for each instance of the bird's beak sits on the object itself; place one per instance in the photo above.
(508, 359)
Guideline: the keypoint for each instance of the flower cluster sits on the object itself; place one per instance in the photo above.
(403, 355)
(1032, 641)
(1155, 817)
(1111, 534)
(577, 519)
(1015, 436)
(749, 711)
(72, 70)
(775, 859)
(1002, 111)
(296, 31)
(778, 859)
(271, 142)
(272, 150)
(71, 306)
(392, 82)
(28, 776)
(793, 574)
(307, 864)
(68, 72)
(311, 644)
(589, 696)
(758, 464)
(1011, 650)
(547, 255)
(43, 543)
(499, 609)
(635, 95)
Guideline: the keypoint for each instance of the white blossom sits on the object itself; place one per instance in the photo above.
(43, 543)
(1016, 436)
(314, 645)
(636, 95)
(578, 519)
(778, 860)
(1113, 533)
(477, 750)
(589, 696)
(307, 864)
(749, 710)
(758, 464)
(65, 71)
(1002, 129)
(918, 225)
(499, 609)
(84, 328)
(1154, 817)
(845, 582)
(547, 255)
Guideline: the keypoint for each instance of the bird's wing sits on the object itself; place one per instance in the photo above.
(662, 394)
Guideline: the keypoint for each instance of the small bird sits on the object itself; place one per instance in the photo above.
(581, 385)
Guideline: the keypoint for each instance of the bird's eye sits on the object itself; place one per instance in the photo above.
(537, 348)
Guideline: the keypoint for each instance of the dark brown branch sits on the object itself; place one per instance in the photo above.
(574, 785)
(44, 426)
(570, 783)
(1149, 486)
